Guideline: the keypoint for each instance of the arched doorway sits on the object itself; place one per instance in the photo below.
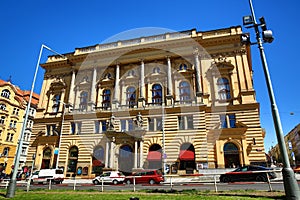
(231, 155)
(97, 160)
(73, 158)
(155, 157)
(187, 157)
(47, 153)
(125, 159)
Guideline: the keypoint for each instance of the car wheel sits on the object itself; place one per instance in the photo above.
(115, 182)
(151, 182)
(128, 182)
(96, 182)
(261, 178)
(225, 179)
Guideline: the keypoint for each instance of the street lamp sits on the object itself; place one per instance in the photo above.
(290, 184)
(10, 193)
(65, 105)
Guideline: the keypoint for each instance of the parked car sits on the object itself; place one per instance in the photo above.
(112, 177)
(297, 169)
(248, 173)
(45, 175)
(145, 176)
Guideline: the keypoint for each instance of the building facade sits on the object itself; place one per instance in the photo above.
(292, 142)
(184, 99)
(13, 102)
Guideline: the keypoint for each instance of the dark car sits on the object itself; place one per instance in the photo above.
(145, 176)
(248, 173)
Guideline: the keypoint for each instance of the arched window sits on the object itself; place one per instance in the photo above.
(184, 92)
(223, 89)
(56, 101)
(97, 160)
(5, 93)
(156, 94)
(182, 67)
(131, 97)
(187, 156)
(2, 106)
(106, 99)
(73, 158)
(83, 100)
(47, 153)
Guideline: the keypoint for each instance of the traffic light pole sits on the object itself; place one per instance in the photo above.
(290, 183)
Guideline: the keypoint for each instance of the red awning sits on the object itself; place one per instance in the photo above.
(154, 156)
(186, 155)
(97, 163)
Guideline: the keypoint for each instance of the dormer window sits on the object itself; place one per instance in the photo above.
(5, 93)
(107, 76)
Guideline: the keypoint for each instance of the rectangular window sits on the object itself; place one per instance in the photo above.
(228, 121)
(79, 124)
(8, 136)
(15, 111)
(97, 126)
(151, 124)
(2, 120)
(123, 125)
(51, 130)
(130, 125)
(159, 125)
(24, 150)
(73, 128)
(185, 122)
(103, 125)
(13, 124)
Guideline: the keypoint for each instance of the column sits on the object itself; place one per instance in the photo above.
(141, 154)
(135, 154)
(199, 91)
(116, 101)
(142, 85)
(111, 156)
(107, 155)
(72, 92)
(93, 89)
(169, 83)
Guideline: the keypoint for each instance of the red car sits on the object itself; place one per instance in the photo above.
(145, 176)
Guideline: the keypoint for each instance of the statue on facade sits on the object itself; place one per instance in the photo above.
(111, 123)
(139, 120)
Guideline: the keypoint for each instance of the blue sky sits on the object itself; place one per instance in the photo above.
(66, 24)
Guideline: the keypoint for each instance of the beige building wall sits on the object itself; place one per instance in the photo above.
(207, 113)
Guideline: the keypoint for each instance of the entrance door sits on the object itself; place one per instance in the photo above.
(231, 155)
(125, 159)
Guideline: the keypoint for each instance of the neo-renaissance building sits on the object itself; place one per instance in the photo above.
(185, 99)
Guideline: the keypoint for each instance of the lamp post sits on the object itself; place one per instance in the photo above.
(10, 193)
(290, 184)
(65, 105)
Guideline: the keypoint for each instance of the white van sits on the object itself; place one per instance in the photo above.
(45, 175)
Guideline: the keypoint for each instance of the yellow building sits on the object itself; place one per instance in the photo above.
(292, 142)
(182, 99)
(13, 103)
